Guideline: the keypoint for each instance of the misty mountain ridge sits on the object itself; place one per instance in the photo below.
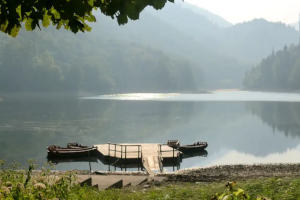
(252, 41)
(178, 48)
(196, 11)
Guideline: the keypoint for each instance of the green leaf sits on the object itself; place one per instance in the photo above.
(91, 3)
(28, 24)
(90, 18)
(14, 31)
(55, 13)
(46, 20)
(239, 192)
(19, 11)
(4, 25)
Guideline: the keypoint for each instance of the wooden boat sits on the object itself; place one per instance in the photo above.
(75, 145)
(70, 151)
(186, 149)
(197, 146)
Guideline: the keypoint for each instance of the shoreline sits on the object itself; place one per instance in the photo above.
(235, 172)
(207, 174)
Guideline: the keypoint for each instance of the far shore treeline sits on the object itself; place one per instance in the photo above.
(279, 71)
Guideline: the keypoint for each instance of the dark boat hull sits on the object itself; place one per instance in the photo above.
(188, 149)
(55, 152)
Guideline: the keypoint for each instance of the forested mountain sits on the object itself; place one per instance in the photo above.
(279, 71)
(50, 61)
(179, 48)
(222, 54)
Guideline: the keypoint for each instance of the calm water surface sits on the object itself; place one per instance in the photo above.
(239, 126)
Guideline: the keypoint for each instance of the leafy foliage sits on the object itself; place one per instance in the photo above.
(232, 193)
(73, 15)
(16, 184)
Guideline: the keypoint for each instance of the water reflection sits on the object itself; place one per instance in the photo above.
(284, 117)
(235, 157)
(256, 129)
(218, 95)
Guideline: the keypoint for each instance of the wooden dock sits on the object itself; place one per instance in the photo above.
(150, 155)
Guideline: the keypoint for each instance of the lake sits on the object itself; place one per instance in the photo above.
(240, 127)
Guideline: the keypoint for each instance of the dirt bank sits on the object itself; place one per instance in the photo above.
(209, 174)
(234, 172)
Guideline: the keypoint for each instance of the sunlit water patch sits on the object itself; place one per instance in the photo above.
(219, 95)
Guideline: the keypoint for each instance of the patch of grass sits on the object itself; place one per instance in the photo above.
(257, 189)
(22, 185)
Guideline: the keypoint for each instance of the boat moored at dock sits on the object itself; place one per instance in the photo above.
(72, 150)
(187, 149)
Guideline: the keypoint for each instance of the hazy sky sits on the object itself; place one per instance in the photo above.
(236, 11)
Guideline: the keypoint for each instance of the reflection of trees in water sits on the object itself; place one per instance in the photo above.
(28, 126)
(282, 116)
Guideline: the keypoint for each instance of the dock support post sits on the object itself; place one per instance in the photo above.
(173, 153)
(121, 151)
(109, 156)
(89, 163)
(125, 153)
(174, 161)
(108, 149)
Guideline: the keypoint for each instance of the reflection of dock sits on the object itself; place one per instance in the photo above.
(151, 156)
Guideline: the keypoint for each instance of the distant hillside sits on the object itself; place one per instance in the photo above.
(63, 62)
(221, 55)
(215, 19)
(179, 48)
(279, 71)
(254, 40)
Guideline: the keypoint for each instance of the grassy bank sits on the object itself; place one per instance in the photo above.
(45, 185)
(280, 182)
(271, 188)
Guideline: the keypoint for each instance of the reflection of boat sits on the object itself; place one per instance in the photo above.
(187, 149)
(72, 150)
(202, 153)
(57, 160)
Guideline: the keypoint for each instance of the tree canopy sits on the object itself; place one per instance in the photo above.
(279, 71)
(72, 15)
